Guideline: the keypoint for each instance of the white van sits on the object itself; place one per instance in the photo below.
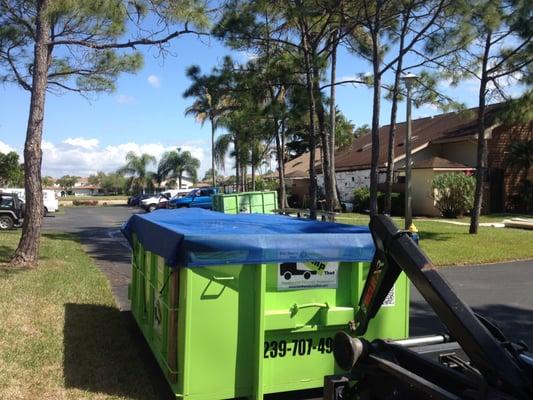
(51, 204)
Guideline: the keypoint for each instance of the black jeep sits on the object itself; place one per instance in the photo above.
(11, 210)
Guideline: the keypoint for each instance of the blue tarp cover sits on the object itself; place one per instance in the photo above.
(196, 237)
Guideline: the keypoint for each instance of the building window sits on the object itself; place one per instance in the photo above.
(353, 179)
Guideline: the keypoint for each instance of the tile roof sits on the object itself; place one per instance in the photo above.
(453, 125)
(438, 163)
(299, 166)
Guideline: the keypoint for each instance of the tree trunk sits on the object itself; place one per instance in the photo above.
(481, 143)
(376, 104)
(27, 252)
(213, 151)
(252, 162)
(374, 163)
(243, 177)
(393, 117)
(390, 156)
(237, 163)
(253, 177)
(335, 203)
(281, 168)
(179, 182)
(324, 135)
(312, 129)
(325, 151)
(392, 142)
(282, 140)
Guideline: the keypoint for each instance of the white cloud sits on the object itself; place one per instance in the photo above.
(154, 81)
(125, 99)
(82, 142)
(5, 148)
(79, 159)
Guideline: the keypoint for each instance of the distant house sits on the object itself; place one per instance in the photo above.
(82, 187)
(442, 143)
(186, 183)
(85, 190)
(297, 178)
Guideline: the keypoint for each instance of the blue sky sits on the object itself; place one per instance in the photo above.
(146, 113)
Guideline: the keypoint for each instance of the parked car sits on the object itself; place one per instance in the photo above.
(51, 204)
(151, 203)
(135, 201)
(11, 210)
(163, 203)
(202, 198)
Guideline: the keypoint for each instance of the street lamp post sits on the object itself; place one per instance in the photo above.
(408, 79)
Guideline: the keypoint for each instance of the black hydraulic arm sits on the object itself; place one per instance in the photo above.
(397, 252)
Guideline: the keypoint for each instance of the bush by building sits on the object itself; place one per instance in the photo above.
(453, 194)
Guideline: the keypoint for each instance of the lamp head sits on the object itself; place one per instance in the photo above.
(409, 79)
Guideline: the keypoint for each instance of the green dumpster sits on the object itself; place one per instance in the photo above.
(246, 202)
(245, 305)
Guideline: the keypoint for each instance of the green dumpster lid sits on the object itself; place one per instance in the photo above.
(196, 237)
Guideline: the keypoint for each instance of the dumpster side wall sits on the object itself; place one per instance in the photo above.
(239, 334)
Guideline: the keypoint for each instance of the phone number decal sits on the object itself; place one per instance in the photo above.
(297, 347)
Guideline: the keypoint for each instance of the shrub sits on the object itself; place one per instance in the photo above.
(453, 193)
(262, 184)
(84, 202)
(361, 199)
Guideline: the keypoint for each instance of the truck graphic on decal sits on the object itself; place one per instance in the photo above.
(307, 275)
(287, 270)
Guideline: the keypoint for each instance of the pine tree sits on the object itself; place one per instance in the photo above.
(79, 46)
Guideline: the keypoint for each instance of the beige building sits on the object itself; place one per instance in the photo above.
(442, 143)
(422, 175)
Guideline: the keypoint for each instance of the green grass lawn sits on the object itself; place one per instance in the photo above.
(447, 244)
(61, 335)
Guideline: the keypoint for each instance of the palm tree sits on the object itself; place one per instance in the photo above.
(157, 176)
(178, 163)
(520, 157)
(137, 167)
(210, 104)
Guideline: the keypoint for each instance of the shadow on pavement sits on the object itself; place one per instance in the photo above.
(104, 352)
(102, 246)
(515, 322)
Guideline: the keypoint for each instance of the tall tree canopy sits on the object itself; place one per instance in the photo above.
(176, 164)
(80, 46)
(211, 102)
(136, 168)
